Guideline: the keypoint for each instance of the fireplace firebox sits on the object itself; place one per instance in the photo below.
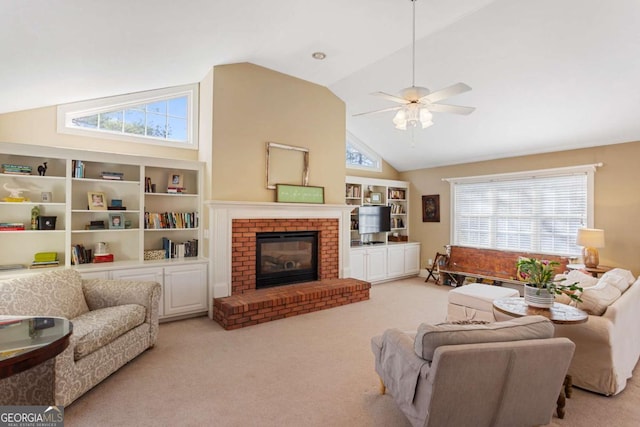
(286, 257)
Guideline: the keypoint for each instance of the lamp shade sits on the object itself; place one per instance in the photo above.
(590, 238)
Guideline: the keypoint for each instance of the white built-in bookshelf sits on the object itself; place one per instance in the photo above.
(160, 200)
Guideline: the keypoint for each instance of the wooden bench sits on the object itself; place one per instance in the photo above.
(489, 265)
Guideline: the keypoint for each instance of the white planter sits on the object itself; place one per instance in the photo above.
(540, 298)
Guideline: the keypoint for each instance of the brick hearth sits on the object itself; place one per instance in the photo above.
(264, 305)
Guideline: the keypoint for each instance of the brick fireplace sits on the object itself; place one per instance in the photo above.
(234, 300)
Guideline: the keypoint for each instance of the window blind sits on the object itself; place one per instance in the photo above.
(525, 213)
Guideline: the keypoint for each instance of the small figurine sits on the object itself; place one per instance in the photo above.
(42, 169)
(15, 194)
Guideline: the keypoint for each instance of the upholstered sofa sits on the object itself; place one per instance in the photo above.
(608, 344)
(500, 374)
(113, 322)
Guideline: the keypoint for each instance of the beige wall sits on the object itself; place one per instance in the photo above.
(39, 127)
(617, 197)
(254, 105)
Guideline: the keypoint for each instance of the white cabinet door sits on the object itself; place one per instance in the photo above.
(358, 264)
(143, 274)
(412, 259)
(185, 289)
(396, 260)
(376, 264)
(95, 275)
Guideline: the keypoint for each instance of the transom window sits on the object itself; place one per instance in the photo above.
(537, 211)
(359, 156)
(165, 117)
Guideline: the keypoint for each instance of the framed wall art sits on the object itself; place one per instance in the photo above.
(431, 208)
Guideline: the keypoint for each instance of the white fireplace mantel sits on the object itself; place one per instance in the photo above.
(222, 213)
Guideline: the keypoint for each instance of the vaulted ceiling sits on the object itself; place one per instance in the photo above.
(547, 75)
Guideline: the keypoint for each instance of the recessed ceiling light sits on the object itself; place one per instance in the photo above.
(318, 55)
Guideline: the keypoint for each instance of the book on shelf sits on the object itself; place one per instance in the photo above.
(11, 226)
(176, 190)
(185, 249)
(80, 255)
(16, 169)
(5, 267)
(119, 176)
(44, 264)
(77, 169)
(102, 258)
(168, 220)
(45, 257)
(116, 208)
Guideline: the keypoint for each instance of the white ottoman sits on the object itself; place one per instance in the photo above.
(475, 301)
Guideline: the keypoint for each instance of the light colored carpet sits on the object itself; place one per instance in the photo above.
(311, 370)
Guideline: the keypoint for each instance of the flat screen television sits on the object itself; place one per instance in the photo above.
(374, 219)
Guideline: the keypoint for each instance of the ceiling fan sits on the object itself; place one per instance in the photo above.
(418, 102)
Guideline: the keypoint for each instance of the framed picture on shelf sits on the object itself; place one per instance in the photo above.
(376, 198)
(116, 220)
(175, 180)
(431, 208)
(97, 201)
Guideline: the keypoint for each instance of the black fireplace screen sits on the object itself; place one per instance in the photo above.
(286, 257)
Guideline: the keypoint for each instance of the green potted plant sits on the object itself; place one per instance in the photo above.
(541, 287)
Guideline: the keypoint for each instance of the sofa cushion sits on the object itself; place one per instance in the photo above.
(97, 328)
(618, 277)
(430, 337)
(53, 293)
(595, 300)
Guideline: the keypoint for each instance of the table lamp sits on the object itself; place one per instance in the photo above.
(590, 239)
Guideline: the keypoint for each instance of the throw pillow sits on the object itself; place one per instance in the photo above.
(584, 280)
(430, 337)
(595, 300)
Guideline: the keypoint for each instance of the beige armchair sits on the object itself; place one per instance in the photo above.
(498, 374)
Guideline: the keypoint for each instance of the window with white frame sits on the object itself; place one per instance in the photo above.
(359, 156)
(537, 211)
(165, 117)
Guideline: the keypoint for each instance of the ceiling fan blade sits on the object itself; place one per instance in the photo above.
(379, 111)
(455, 109)
(445, 93)
(390, 97)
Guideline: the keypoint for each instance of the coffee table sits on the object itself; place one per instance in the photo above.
(27, 341)
(561, 314)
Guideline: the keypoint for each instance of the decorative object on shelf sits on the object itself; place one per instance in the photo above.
(299, 194)
(418, 102)
(376, 198)
(95, 225)
(541, 288)
(590, 239)
(97, 201)
(431, 208)
(101, 248)
(287, 164)
(154, 254)
(176, 180)
(116, 205)
(116, 220)
(35, 213)
(46, 196)
(42, 169)
(47, 222)
(15, 194)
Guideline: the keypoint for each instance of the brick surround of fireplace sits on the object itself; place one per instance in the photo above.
(243, 244)
(234, 301)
